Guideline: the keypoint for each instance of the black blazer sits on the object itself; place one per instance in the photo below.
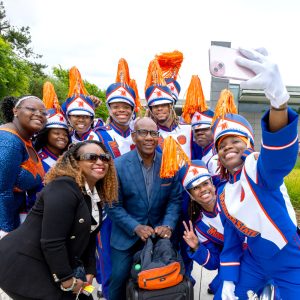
(44, 250)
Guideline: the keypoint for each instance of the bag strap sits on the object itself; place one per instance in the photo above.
(146, 254)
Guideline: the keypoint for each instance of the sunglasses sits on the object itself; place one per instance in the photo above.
(144, 132)
(93, 157)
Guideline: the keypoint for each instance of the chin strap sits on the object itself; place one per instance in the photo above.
(170, 116)
(115, 120)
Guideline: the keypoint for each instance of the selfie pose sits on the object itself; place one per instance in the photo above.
(254, 201)
(52, 255)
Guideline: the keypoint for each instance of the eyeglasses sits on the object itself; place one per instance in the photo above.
(93, 157)
(144, 132)
(34, 111)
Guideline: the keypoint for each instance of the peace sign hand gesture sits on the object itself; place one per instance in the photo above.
(190, 237)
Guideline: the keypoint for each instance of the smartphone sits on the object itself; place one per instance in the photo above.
(222, 64)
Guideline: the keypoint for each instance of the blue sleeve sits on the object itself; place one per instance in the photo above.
(11, 150)
(173, 209)
(197, 152)
(279, 151)
(207, 255)
(231, 253)
(118, 214)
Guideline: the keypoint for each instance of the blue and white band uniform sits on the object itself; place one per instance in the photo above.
(117, 141)
(182, 133)
(256, 206)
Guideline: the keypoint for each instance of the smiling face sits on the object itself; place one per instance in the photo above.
(92, 170)
(161, 112)
(80, 123)
(31, 115)
(145, 145)
(121, 112)
(203, 136)
(58, 139)
(204, 194)
(230, 151)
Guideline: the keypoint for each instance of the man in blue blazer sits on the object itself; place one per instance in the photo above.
(147, 204)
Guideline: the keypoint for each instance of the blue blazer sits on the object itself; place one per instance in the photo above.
(134, 208)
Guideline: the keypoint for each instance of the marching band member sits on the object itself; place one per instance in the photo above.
(254, 200)
(53, 140)
(79, 109)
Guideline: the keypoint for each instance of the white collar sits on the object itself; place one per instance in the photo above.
(93, 194)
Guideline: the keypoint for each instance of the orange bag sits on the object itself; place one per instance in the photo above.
(160, 278)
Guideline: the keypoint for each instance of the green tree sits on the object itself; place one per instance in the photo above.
(14, 72)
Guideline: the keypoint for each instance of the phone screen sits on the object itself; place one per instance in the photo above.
(222, 64)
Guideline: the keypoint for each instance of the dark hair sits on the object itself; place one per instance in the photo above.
(194, 210)
(41, 139)
(7, 105)
(67, 165)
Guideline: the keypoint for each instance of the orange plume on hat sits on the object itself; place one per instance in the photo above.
(173, 157)
(76, 86)
(138, 104)
(154, 75)
(123, 72)
(195, 100)
(49, 96)
(225, 105)
(170, 63)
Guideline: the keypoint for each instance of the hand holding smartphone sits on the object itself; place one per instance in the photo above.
(222, 64)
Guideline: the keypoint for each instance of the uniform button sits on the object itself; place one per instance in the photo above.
(55, 277)
(72, 237)
(81, 220)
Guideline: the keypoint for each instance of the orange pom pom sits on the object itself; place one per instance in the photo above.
(49, 96)
(154, 75)
(195, 100)
(123, 72)
(170, 63)
(173, 158)
(225, 105)
(76, 86)
(138, 104)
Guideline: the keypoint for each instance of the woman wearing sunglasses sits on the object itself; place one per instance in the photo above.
(56, 243)
(21, 170)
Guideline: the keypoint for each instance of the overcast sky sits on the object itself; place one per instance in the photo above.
(94, 34)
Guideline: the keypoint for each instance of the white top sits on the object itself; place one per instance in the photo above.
(94, 200)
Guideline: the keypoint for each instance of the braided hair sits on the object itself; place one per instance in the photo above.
(67, 165)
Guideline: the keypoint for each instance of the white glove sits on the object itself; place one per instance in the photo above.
(228, 291)
(267, 77)
(3, 234)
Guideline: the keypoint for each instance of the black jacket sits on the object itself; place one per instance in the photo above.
(44, 250)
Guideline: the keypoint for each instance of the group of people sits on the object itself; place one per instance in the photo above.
(89, 194)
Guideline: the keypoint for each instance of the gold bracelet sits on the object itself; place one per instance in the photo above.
(70, 288)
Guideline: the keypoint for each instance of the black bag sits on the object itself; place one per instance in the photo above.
(182, 291)
(159, 265)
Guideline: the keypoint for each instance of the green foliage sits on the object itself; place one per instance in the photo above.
(19, 75)
(18, 38)
(292, 182)
(14, 72)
